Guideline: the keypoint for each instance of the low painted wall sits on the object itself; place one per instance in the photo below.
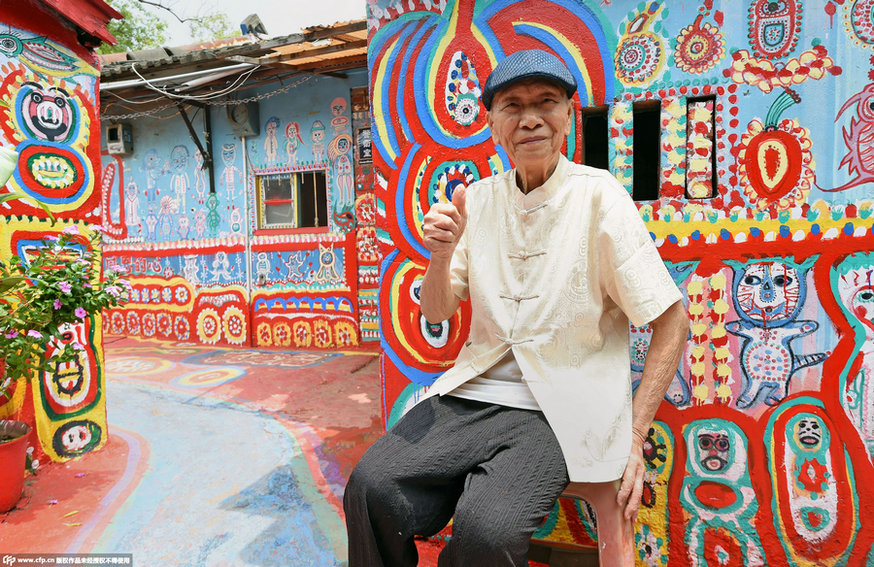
(762, 448)
(49, 114)
(202, 269)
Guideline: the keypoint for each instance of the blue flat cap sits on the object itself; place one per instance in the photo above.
(528, 64)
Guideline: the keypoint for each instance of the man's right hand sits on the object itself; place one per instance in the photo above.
(444, 225)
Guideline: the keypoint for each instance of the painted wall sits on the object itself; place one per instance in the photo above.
(201, 269)
(762, 449)
(49, 114)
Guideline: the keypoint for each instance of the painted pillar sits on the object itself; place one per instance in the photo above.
(762, 449)
(49, 114)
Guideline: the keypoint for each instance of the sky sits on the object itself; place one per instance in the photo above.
(280, 17)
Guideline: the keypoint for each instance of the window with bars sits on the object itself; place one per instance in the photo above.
(292, 200)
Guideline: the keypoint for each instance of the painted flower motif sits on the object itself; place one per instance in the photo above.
(699, 47)
(181, 327)
(80, 313)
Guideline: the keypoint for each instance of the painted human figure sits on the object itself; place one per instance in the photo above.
(339, 122)
(236, 221)
(317, 135)
(152, 167)
(190, 269)
(184, 226)
(338, 154)
(151, 224)
(768, 296)
(717, 493)
(165, 216)
(231, 173)
(132, 206)
(854, 280)
(293, 143)
(262, 268)
(199, 178)
(220, 266)
(271, 144)
(200, 223)
(213, 219)
(179, 180)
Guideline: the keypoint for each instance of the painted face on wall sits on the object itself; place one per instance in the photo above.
(862, 305)
(272, 126)
(179, 158)
(808, 432)
(768, 292)
(713, 448)
(317, 132)
(343, 144)
(338, 106)
(48, 112)
(229, 154)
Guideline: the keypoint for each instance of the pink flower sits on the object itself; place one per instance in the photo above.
(51, 238)
(11, 334)
(34, 334)
(57, 304)
(80, 313)
(72, 230)
(77, 346)
(65, 287)
(118, 269)
(87, 285)
(98, 228)
(113, 290)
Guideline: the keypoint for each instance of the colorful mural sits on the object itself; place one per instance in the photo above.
(764, 218)
(48, 114)
(237, 279)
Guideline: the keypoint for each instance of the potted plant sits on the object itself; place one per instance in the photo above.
(56, 285)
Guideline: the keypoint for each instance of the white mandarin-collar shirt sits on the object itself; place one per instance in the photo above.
(555, 275)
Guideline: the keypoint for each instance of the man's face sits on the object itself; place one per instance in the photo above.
(531, 120)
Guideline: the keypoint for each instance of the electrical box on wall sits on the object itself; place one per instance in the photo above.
(244, 119)
(119, 139)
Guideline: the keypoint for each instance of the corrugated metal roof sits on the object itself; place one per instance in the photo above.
(329, 44)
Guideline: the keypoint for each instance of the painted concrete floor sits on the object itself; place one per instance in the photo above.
(216, 457)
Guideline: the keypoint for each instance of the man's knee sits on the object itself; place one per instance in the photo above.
(490, 533)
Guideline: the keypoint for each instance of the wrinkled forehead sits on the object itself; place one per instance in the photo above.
(529, 87)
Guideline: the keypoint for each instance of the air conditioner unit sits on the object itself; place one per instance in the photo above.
(119, 139)
(244, 119)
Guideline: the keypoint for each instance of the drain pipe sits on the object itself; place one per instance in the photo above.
(247, 237)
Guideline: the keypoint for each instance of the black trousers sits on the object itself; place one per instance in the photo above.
(497, 470)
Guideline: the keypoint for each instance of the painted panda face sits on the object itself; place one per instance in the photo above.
(769, 292)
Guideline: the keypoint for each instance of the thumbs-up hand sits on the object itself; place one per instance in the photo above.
(444, 224)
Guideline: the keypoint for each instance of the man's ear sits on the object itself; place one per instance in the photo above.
(490, 122)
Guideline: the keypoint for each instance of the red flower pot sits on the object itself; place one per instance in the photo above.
(13, 449)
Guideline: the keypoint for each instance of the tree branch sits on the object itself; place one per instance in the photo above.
(159, 4)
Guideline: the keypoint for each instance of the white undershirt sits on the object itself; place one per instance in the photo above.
(501, 384)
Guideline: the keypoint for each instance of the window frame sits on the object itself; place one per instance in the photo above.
(261, 202)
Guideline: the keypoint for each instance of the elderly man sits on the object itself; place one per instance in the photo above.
(555, 260)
